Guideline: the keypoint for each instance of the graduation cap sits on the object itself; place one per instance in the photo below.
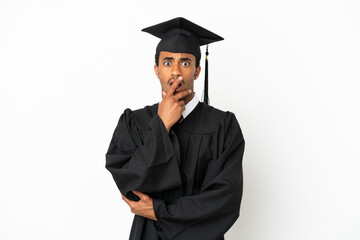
(179, 35)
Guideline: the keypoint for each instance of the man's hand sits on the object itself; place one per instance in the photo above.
(171, 106)
(144, 207)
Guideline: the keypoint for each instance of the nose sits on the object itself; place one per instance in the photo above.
(176, 70)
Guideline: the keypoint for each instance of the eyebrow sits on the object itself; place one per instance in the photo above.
(168, 58)
(185, 59)
(182, 59)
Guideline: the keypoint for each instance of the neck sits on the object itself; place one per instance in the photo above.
(189, 97)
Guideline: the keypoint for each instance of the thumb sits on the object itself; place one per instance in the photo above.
(163, 94)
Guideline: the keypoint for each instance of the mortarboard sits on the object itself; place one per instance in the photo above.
(179, 35)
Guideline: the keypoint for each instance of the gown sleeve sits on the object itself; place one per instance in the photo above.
(148, 165)
(211, 212)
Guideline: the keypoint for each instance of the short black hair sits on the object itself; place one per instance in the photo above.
(157, 54)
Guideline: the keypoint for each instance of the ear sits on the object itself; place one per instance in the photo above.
(156, 69)
(197, 72)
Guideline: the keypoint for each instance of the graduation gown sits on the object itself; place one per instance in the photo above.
(193, 173)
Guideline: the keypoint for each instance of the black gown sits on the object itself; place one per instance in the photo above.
(193, 173)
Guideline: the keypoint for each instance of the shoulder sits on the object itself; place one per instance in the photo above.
(146, 112)
(215, 114)
(226, 126)
(208, 118)
(213, 111)
(140, 117)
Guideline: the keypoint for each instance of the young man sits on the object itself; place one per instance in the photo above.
(178, 164)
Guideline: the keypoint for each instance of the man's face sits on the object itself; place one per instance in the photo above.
(173, 65)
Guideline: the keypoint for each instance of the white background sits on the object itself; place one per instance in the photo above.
(289, 70)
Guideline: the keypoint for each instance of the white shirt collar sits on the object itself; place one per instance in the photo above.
(189, 107)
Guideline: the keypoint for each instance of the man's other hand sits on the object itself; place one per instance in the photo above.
(144, 207)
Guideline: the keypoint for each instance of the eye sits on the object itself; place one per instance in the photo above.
(167, 63)
(186, 64)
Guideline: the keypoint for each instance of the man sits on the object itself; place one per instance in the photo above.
(178, 164)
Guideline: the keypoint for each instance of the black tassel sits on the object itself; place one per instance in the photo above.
(206, 82)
